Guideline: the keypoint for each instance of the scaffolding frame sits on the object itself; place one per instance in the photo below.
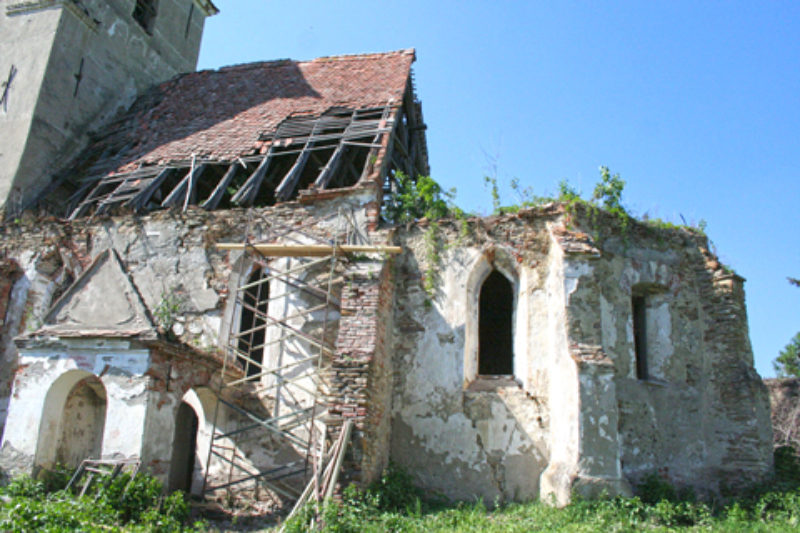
(293, 388)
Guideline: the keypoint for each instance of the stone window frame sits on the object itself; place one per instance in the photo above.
(242, 268)
(494, 259)
(650, 295)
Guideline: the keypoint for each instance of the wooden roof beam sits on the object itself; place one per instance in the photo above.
(309, 250)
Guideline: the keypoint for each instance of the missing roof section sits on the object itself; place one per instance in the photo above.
(251, 135)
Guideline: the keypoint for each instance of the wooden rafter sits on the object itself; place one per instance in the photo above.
(309, 250)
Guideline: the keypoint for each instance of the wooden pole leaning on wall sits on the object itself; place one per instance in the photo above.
(309, 250)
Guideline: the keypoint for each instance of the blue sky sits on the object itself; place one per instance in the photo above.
(695, 104)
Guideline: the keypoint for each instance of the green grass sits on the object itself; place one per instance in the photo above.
(772, 512)
(394, 504)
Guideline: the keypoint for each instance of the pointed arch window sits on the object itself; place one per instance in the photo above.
(495, 326)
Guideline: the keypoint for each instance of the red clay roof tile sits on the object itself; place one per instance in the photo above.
(221, 114)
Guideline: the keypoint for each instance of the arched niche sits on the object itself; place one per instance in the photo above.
(73, 420)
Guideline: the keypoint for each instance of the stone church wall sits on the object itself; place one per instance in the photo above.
(576, 415)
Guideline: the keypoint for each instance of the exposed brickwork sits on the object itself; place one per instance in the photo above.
(742, 394)
(360, 374)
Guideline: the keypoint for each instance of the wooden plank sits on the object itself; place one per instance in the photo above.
(309, 250)
(247, 193)
(142, 198)
(214, 198)
(288, 184)
(348, 427)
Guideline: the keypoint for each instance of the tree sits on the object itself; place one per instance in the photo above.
(788, 362)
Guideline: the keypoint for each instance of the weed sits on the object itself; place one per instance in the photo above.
(167, 310)
(417, 198)
(433, 257)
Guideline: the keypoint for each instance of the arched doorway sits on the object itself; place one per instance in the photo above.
(184, 448)
(73, 420)
(495, 320)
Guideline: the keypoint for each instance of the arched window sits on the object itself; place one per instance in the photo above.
(144, 12)
(184, 447)
(253, 323)
(496, 311)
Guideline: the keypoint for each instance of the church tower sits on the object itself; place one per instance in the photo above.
(68, 66)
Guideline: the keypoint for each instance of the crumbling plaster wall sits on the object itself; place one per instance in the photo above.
(167, 256)
(577, 417)
(701, 417)
(43, 380)
(464, 436)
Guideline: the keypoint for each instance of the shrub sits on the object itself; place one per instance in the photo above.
(654, 489)
(135, 504)
(787, 464)
(395, 490)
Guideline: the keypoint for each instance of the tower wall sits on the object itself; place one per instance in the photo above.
(76, 67)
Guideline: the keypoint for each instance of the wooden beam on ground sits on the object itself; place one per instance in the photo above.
(309, 250)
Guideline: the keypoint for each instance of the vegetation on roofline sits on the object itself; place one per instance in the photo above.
(424, 199)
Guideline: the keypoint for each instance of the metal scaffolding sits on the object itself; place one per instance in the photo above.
(277, 397)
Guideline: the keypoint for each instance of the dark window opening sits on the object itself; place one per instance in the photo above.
(496, 310)
(252, 325)
(639, 304)
(144, 12)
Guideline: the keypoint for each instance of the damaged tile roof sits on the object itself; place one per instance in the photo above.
(223, 114)
(250, 135)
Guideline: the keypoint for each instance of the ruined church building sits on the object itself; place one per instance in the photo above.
(197, 277)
